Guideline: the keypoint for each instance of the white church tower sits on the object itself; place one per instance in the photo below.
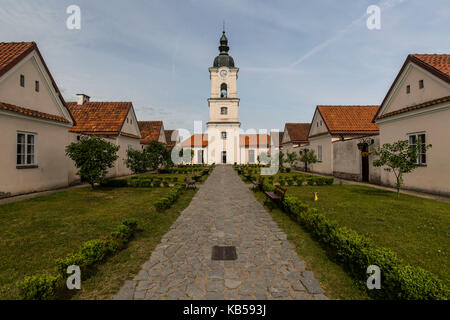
(223, 125)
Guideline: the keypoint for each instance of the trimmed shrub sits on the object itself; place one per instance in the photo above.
(114, 183)
(96, 250)
(357, 252)
(72, 259)
(167, 201)
(39, 287)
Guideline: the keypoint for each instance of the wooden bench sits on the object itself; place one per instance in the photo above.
(190, 183)
(257, 184)
(275, 196)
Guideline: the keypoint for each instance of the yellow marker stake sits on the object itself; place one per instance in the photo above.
(315, 196)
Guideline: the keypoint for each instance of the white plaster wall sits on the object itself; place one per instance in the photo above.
(50, 143)
(435, 176)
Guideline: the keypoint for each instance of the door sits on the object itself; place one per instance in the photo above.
(199, 156)
(365, 165)
(224, 157)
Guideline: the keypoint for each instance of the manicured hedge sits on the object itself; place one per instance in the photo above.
(356, 252)
(44, 287)
(170, 198)
(114, 183)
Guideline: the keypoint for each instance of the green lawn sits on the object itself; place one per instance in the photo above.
(333, 279)
(34, 232)
(417, 229)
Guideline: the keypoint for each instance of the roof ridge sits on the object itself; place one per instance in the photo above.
(351, 105)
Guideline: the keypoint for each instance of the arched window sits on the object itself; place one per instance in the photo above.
(223, 90)
(224, 110)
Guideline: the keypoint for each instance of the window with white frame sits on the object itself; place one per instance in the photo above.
(319, 153)
(26, 149)
(224, 134)
(418, 140)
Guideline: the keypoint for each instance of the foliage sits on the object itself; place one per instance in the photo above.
(92, 156)
(114, 183)
(137, 161)
(399, 158)
(167, 201)
(291, 157)
(357, 252)
(39, 287)
(281, 158)
(157, 155)
(308, 157)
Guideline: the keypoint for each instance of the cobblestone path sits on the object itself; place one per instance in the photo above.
(223, 212)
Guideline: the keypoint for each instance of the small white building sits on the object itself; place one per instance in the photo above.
(34, 123)
(114, 121)
(417, 108)
(334, 136)
(294, 139)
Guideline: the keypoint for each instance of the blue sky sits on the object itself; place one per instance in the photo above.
(292, 55)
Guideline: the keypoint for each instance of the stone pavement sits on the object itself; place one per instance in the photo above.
(223, 212)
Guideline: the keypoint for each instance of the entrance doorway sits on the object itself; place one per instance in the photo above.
(365, 164)
(200, 156)
(224, 157)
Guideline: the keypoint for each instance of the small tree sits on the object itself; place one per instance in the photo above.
(92, 156)
(281, 158)
(137, 161)
(400, 158)
(308, 157)
(156, 154)
(291, 157)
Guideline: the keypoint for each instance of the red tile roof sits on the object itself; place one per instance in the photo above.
(11, 53)
(103, 118)
(150, 130)
(437, 64)
(349, 119)
(169, 141)
(254, 140)
(440, 62)
(418, 106)
(298, 132)
(196, 140)
(32, 113)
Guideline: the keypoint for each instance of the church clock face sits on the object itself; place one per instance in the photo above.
(223, 73)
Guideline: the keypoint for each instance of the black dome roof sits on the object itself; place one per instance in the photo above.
(223, 59)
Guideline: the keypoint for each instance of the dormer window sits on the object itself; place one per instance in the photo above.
(420, 84)
(223, 90)
(408, 89)
(224, 110)
(22, 80)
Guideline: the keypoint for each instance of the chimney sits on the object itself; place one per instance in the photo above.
(82, 98)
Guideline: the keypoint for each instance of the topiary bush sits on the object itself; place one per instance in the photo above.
(39, 287)
(356, 252)
(114, 183)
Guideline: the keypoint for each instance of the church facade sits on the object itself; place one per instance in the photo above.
(224, 142)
